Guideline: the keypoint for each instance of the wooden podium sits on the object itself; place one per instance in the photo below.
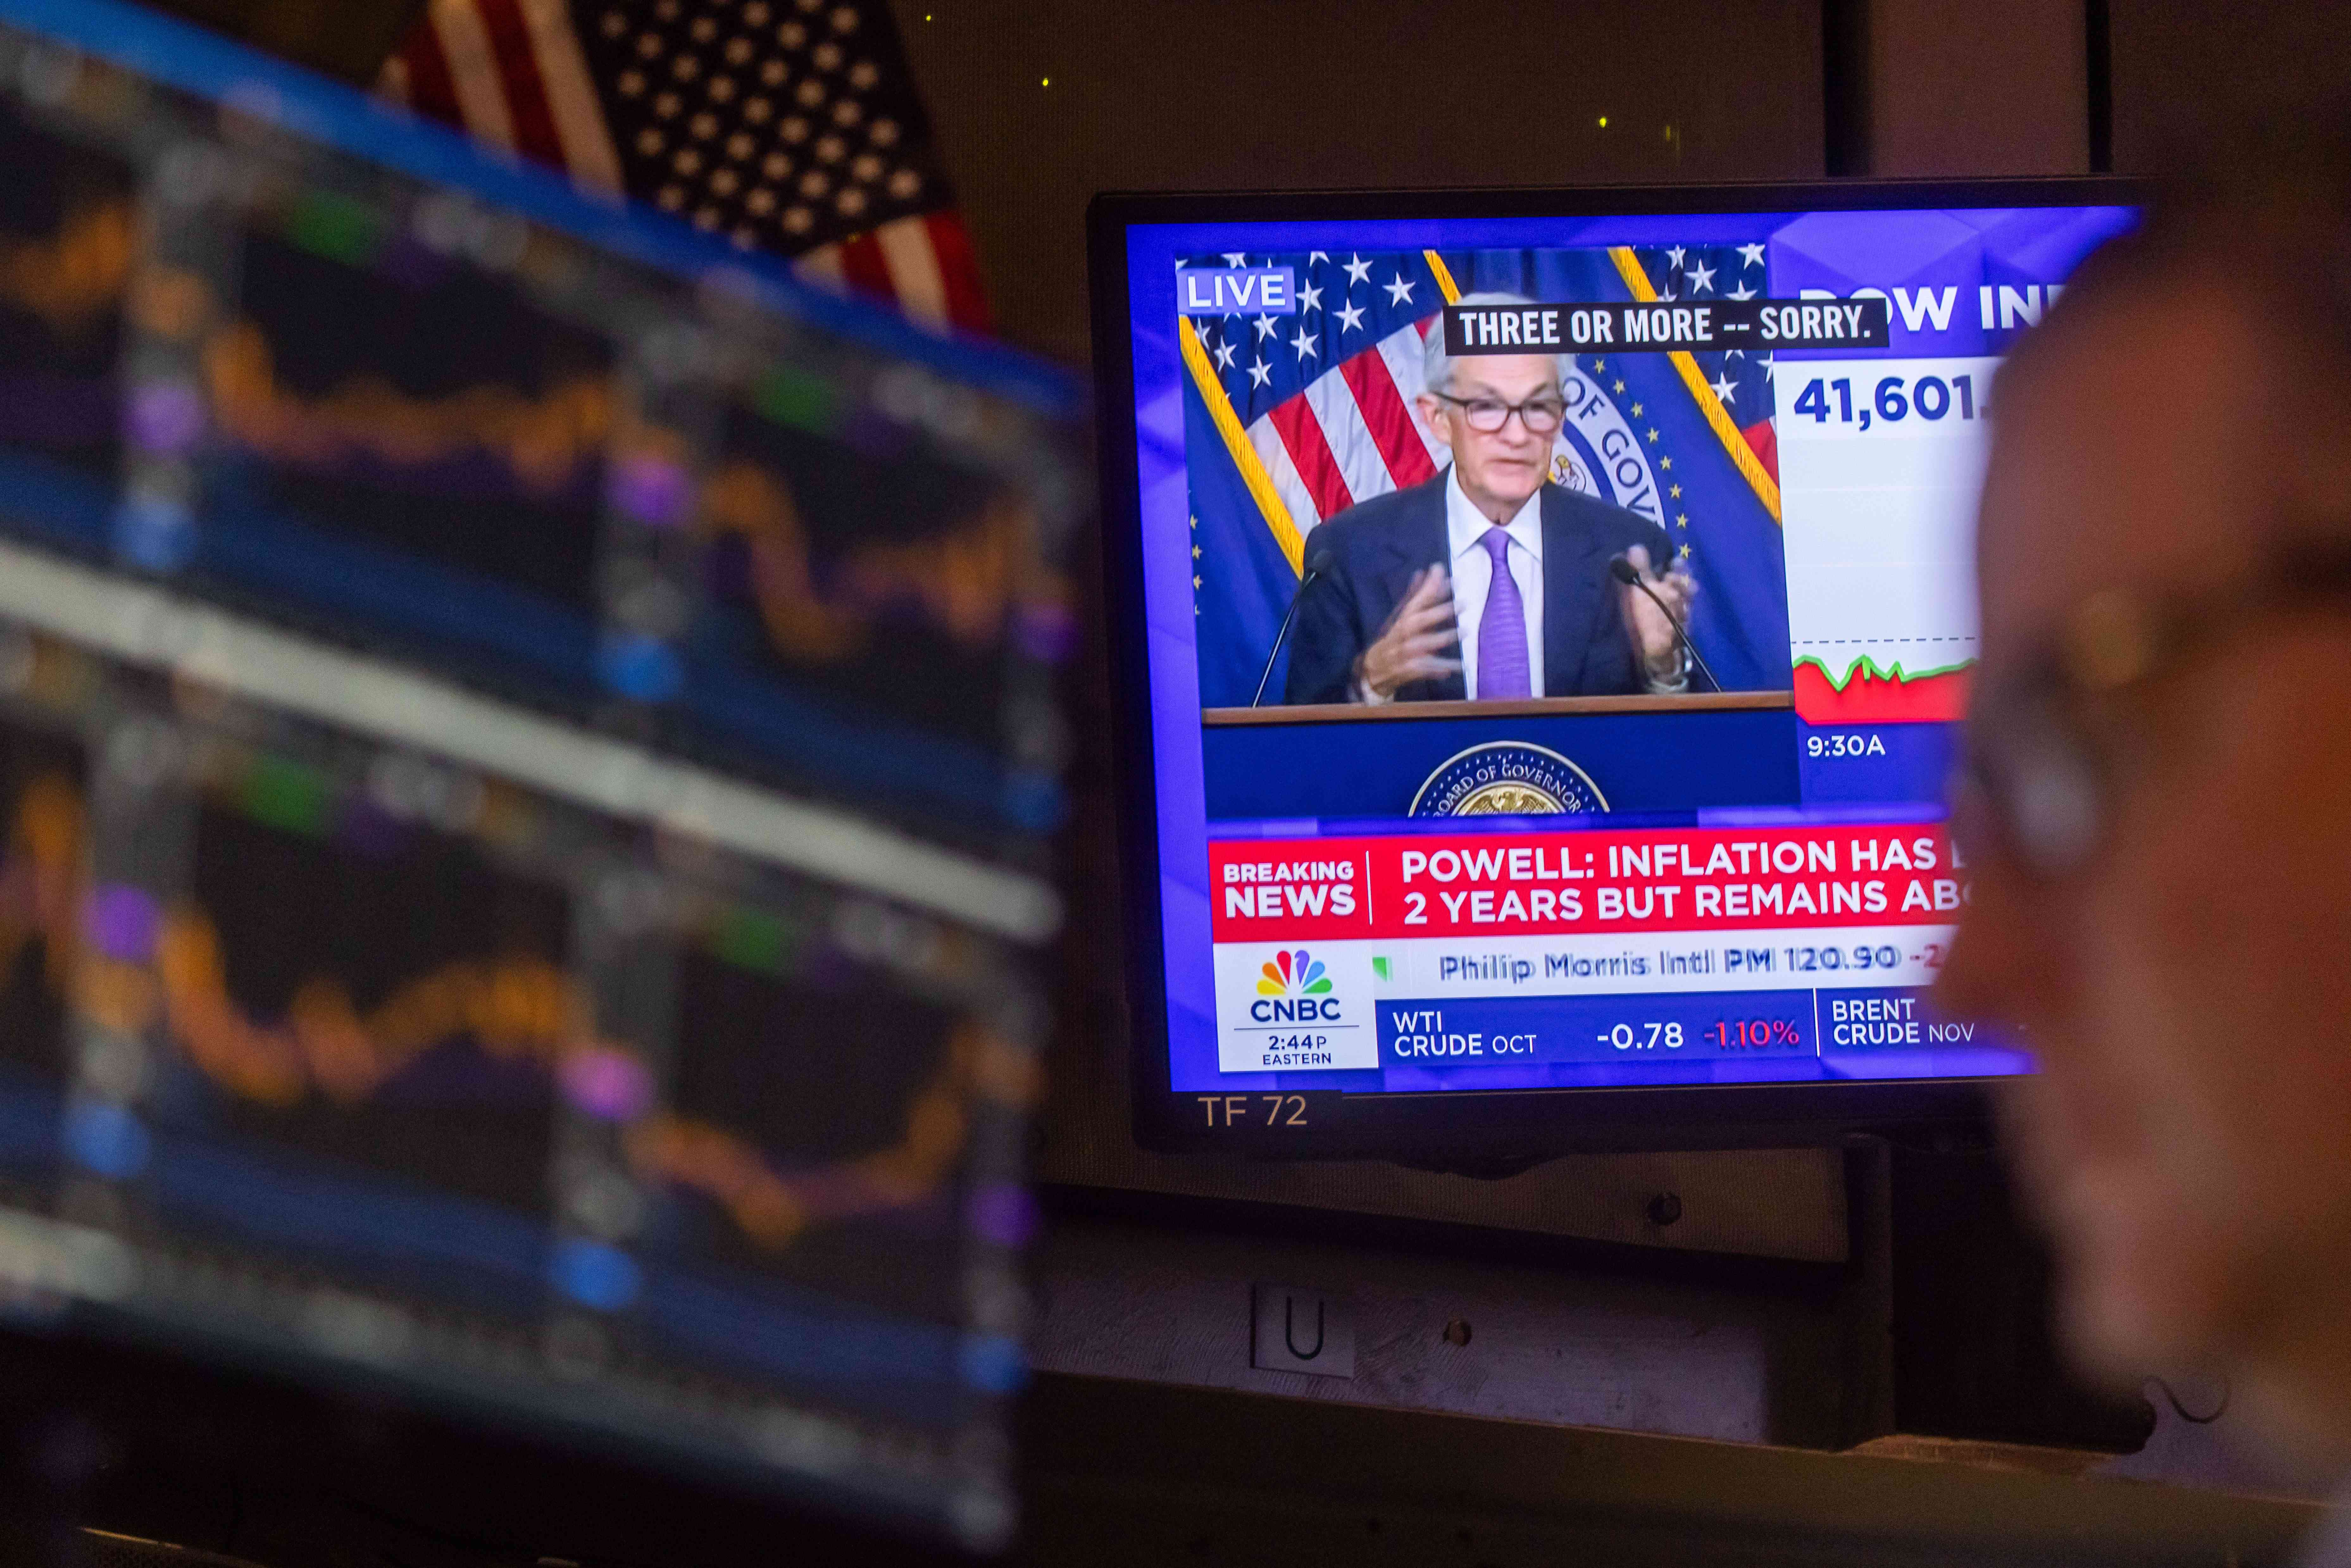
(1514, 708)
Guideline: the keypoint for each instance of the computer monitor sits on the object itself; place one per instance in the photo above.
(1542, 620)
(527, 745)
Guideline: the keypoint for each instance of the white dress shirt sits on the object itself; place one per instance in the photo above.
(1473, 575)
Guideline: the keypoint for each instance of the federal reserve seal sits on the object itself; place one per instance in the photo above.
(1508, 778)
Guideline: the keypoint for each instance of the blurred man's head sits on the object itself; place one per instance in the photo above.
(1498, 413)
(2160, 846)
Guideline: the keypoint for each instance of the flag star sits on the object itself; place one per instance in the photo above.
(1751, 255)
(1350, 317)
(1399, 292)
(1767, 368)
(1259, 373)
(1310, 297)
(1702, 276)
(1676, 492)
(1686, 552)
(1620, 386)
(1636, 411)
(1742, 292)
(1674, 257)
(1730, 354)
(1681, 521)
(1307, 347)
(1599, 365)
(1667, 464)
(1265, 326)
(1724, 390)
(1653, 432)
(1196, 552)
(1235, 259)
(1224, 353)
(1358, 271)
(1196, 581)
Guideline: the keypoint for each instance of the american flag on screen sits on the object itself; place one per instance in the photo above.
(790, 126)
(1292, 419)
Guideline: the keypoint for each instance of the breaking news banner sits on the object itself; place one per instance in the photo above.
(1580, 947)
(1662, 328)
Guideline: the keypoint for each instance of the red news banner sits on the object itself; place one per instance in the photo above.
(1535, 883)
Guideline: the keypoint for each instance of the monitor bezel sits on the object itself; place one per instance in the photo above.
(1472, 1130)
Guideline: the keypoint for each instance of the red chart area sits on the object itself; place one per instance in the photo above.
(1869, 696)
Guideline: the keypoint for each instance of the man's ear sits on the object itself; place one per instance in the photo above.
(1432, 414)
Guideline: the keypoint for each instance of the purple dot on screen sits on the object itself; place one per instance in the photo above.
(610, 1085)
(166, 416)
(649, 490)
(120, 922)
(1002, 1213)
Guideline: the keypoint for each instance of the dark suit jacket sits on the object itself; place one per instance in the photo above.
(1374, 549)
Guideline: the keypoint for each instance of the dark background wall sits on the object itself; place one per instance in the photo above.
(1225, 94)
(2182, 63)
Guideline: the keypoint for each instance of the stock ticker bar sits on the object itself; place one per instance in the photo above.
(527, 745)
(1666, 325)
(1718, 955)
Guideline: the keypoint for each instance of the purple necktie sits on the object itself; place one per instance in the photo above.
(1502, 633)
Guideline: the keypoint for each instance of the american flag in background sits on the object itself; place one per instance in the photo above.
(1292, 419)
(790, 126)
(1326, 395)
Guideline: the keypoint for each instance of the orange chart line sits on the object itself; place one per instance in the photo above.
(515, 1009)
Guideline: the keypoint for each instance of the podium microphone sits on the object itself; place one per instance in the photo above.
(1316, 565)
(1622, 568)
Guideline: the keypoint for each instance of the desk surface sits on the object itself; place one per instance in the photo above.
(1515, 707)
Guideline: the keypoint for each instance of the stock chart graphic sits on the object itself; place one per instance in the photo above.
(526, 745)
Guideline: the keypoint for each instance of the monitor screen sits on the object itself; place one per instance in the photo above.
(1546, 621)
(526, 748)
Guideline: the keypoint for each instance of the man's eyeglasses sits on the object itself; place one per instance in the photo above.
(1540, 414)
(2047, 747)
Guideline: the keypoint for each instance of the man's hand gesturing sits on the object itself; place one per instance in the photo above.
(1412, 646)
(1653, 638)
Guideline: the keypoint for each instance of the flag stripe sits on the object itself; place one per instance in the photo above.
(1401, 351)
(1352, 446)
(1281, 474)
(1391, 423)
(1269, 502)
(534, 123)
(913, 266)
(429, 91)
(588, 152)
(960, 268)
(1308, 449)
(863, 268)
(473, 72)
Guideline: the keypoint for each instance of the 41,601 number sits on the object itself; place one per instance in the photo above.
(1897, 399)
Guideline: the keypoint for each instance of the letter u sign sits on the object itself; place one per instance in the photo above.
(1290, 1327)
(1294, 1330)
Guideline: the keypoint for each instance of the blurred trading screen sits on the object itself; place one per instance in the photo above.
(524, 772)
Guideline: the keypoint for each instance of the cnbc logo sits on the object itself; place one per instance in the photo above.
(1293, 989)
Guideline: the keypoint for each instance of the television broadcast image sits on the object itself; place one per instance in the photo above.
(1557, 635)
